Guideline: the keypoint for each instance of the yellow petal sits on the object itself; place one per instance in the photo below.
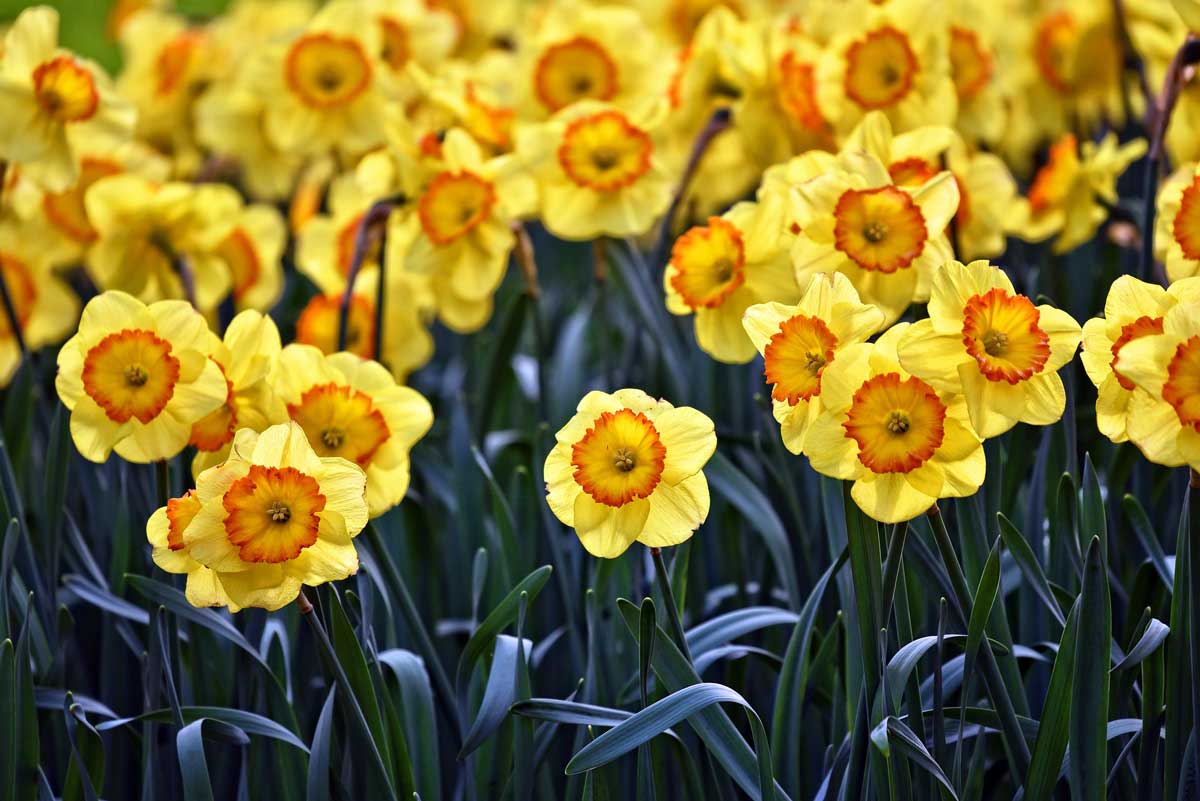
(932, 356)
(889, 498)
(344, 485)
(690, 439)
(1064, 335)
(675, 512)
(607, 531)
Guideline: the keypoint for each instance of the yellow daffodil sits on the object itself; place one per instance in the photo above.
(993, 346)
(1068, 194)
(903, 443)
(148, 234)
(45, 307)
(892, 58)
(1189, 12)
(629, 468)
(167, 62)
(353, 408)
(246, 355)
(1164, 418)
(62, 215)
(720, 269)
(53, 102)
(1177, 224)
(272, 517)
(597, 171)
(405, 341)
(588, 52)
(413, 32)
(164, 530)
(799, 342)
(325, 247)
(252, 252)
(986, 194)
(136, 378)
(977, 45)
(325, 87)
(461, 235)
(723, 67)
(887, 239)
(1133, 309)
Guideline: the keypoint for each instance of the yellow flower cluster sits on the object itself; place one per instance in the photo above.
(294, 450)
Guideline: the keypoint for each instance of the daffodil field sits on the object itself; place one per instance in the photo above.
(600, 400)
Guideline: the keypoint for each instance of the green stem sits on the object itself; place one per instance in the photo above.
(162, 481)
(663, 579)
(1194, 579)
(1014, 740)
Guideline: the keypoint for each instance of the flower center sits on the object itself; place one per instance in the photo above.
(318, 323)
(574, 70)
(709, 263)
(1186, 225)
(795, 356)
(1054, 180)
(1182, 388)
(131, 374)
(1141, 327)
(604, 151)
(880, 68)
(1001, 332)
(880, 229)
(341, 421)
(279, 512)
(65, 90)
(620, 458)
(970, 63)
(453, 204)
(272, 513)
(897, 423)
(327, 71)
(798, 92)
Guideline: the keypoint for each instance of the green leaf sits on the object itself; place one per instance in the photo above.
(500, 617)
(1052, 736)
(1148, 538)
(415, 693)
(498, 695)
(1031, 569)
(248, 722)
(893, 733)
(713, 726)
(85, 774)
(350, 655)
(725, 628)
(661, 715)
(1155, 635)
(1089, 694)
(733, 485)
(1092, 520)
(189, 746)
(322, 749)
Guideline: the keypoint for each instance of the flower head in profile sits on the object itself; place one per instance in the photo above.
(1133, 309)
(246, 355)
(46, 308)
(628, 468)
(1068, 194)
(270, 518)
(903, 443)
(798, 343)
(885, 237)
(598, 170)
(53, 101)
(353, 408)
(720, 269)
(993, 346)
(1164, 418)
(1177, 223)
(136, 378)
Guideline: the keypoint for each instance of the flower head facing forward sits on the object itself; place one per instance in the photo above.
(272, 517)
(903, 443)
(798, 343)
(993, 346)
(627, 468)
(137, 378)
